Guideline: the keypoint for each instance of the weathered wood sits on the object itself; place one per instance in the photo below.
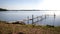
(54, 16)
(39, 18)
(32, 19)
(54, 19)
(28, 19)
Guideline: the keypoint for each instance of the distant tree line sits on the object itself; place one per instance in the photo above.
(1, 9)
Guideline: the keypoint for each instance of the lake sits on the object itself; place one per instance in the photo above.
(20, 15)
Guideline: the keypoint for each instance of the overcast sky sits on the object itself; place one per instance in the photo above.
(30, 4)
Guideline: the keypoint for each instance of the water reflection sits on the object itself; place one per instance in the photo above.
(20, 15)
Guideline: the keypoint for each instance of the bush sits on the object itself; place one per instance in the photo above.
(21, 22)
(49, 26)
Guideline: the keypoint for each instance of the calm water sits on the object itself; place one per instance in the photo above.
(20, 15)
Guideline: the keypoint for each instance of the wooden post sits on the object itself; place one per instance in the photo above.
(54, 15)
(37, 18)
(45, 16)
(28, 19)
(41, 18)
(32, 20)
(54, 19)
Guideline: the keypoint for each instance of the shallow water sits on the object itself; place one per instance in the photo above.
(20, 15)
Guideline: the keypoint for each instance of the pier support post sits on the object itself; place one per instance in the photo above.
(28, 19)
(32, 20)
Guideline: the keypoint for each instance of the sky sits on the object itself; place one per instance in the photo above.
(30, 4)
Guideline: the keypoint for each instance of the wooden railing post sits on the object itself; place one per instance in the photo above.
(45, 16)
(54, 18)
(28, 19)
(54, 15)
(33, 20)
(37, 18)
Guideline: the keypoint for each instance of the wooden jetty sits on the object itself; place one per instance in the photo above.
(38, 18)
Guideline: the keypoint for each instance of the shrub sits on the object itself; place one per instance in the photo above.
(21, 22)
(49, 25)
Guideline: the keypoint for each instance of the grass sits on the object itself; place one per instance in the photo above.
(27, 29)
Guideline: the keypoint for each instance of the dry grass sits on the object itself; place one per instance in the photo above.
(27, 29)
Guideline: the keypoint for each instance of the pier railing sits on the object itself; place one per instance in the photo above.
(38, 18)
